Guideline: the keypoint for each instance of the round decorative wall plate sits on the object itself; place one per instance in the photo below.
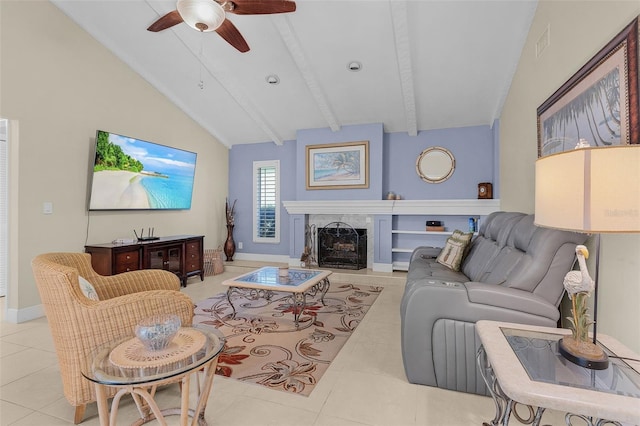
(435, 164)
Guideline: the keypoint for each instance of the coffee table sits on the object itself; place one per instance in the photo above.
(262, 283)
(521, 365)
(127, 365)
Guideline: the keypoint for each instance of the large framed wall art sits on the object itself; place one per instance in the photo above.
(338, 165)
(599, 103)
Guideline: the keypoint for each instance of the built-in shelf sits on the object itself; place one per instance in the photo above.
(403, 231)
(408, 234)
(401, 250)
(402, 265)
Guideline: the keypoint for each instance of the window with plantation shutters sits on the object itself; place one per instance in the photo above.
(266, 201)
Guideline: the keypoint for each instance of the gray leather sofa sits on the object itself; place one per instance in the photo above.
(513, 272)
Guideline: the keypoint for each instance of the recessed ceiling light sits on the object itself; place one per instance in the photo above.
(354, 66)
(272, 79)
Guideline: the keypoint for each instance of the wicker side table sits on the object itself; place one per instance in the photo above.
(128, 366)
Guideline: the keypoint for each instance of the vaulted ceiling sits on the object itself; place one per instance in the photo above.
(424, 64)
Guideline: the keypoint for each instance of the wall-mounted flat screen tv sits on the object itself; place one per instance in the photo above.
(132, 174)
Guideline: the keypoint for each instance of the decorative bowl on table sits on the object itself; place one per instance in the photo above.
(157, 332)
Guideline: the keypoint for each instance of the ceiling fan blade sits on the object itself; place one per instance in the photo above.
(262, 7)
(167, 21)
(230, 33)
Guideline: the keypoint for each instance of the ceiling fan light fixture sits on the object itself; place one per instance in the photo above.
(201, 15)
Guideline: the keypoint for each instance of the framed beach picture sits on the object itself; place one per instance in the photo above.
(599, 104)
(338, 165)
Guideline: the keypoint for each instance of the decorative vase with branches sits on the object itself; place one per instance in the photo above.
(229, 244)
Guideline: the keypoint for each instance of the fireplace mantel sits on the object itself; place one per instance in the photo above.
(393, 207)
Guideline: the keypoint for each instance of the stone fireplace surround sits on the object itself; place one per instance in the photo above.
(376, 217)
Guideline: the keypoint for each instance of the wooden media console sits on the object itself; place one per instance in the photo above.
(181, 254)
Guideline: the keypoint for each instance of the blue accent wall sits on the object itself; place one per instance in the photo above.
(241, 158)
(392, 161)
(472, 148)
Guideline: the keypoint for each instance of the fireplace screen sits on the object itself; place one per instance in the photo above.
(342, 246)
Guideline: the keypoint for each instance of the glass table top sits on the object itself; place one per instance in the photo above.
(270, 275)
(103, 368)
(538, 353)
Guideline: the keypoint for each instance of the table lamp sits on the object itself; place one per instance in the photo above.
(592, 190)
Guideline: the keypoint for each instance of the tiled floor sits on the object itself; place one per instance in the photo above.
(365, 385)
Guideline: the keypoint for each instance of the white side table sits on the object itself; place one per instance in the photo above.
(521, 365)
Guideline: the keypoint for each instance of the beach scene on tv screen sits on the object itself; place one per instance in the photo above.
(130, 173)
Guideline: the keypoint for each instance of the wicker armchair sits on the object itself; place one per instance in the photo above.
(79, 325)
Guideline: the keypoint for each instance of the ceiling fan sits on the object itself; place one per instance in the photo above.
(210, 15)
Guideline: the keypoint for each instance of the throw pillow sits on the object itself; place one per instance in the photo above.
(87, 289)
(454, 250)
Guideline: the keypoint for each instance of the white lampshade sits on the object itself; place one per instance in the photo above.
(591, 190)
(201, 15)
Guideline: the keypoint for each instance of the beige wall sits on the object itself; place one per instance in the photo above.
(60, 85)
(579, 29)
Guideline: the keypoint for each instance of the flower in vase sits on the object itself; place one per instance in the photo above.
(230, 211)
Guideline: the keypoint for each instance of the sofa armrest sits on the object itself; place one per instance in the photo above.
(510, 298)
(425, 252)
(132, 308)
(430, 306)
(429, 301)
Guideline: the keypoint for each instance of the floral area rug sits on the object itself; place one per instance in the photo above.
(263, 345)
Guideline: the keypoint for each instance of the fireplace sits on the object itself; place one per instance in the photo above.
(342, 246)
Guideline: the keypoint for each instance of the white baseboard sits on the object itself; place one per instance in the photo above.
(294, 262)
(382, 267)
(256, 257)
(400, 266)
(17, 316)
